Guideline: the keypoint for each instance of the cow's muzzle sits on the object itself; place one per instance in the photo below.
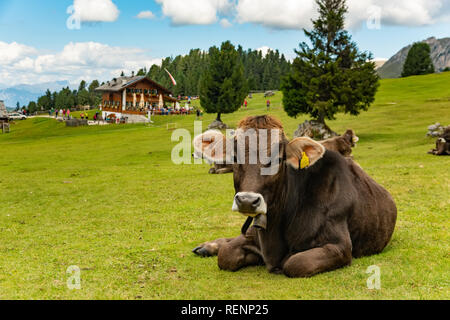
(250, 204)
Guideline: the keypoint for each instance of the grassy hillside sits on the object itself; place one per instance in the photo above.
(109, 200)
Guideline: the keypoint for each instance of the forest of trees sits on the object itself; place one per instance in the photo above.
(263, 72)
(66, 98)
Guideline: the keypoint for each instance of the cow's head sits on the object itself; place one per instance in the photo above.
(258, 180)
(351, 138)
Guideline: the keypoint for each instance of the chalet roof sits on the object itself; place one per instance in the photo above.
(118, 84)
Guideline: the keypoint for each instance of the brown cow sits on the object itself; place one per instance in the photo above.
(442, 144)
(313, 215)
(342, 144)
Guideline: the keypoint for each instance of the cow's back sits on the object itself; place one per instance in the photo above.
(374, 214)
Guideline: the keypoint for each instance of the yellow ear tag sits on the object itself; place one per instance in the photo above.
(304, 163)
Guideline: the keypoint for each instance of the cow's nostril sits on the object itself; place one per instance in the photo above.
(256, 203)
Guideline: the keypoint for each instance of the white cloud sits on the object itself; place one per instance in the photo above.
(291, 14)
(145, 15)
(196, 12)
(76, 61)
(225, 23)
(264, 50)
(297, 14)
(13, 52)
(294, 14)
(96, 10)
(399, 12)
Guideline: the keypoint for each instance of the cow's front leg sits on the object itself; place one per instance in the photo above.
(317, 260)
(211, 248)
(239, 253)
(224, 171)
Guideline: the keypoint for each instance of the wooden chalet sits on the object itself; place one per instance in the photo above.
(133, 96)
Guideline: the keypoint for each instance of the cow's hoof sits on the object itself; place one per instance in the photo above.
(202, 252)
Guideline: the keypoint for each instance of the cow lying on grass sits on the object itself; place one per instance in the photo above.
(342, 144)
(313, 215)
(442, 144)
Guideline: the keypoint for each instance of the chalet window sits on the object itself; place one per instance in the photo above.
(145, 91)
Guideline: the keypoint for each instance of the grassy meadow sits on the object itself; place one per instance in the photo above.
(109, 200)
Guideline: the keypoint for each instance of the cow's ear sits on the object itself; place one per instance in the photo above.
(211, 146)
(303, 152)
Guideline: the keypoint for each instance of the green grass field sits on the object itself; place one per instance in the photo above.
(109, 200)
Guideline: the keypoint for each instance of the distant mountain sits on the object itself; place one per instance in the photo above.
(379, 63)
(440, 54)
(24, 93)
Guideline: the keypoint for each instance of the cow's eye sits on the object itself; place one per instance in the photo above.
(268, 165)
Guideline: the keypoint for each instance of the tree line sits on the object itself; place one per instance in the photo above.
(262, 71)
(67, 98)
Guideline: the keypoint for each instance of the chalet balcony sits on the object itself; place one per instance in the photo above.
(156, 112)
(119, 110)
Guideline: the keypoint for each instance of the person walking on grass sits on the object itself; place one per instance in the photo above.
(68, 114)
(64, 114)
(56, 113)
(268, 105)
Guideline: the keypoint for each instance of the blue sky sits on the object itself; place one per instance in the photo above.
(34, 35)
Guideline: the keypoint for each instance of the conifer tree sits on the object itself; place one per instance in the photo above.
(331, 75)
(223, 85)
(418, 61)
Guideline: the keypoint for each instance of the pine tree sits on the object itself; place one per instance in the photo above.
(141, 72)
(332, 75)
(223, 85)
(82, 85)
(418, 61)
(94, 97)
(32, 107)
